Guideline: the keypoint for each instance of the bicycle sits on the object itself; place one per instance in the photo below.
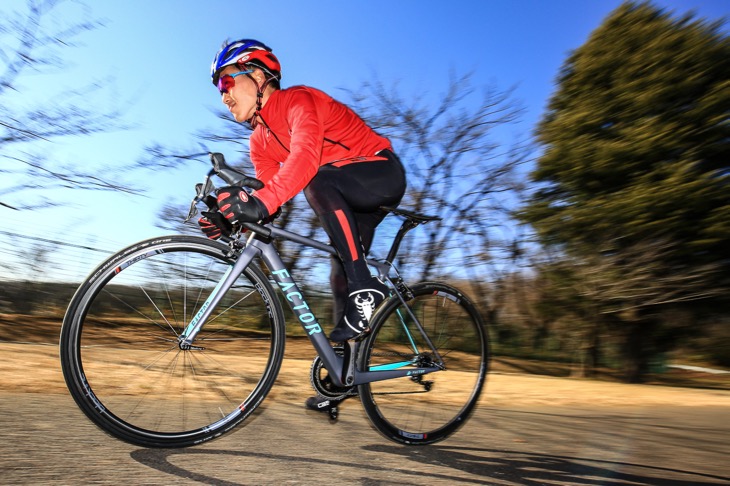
(176, 340)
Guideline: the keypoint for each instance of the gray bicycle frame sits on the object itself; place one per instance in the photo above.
(342, 369)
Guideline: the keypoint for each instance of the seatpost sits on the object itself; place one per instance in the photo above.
(407, 225)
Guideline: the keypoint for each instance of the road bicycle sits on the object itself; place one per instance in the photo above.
(176, 340)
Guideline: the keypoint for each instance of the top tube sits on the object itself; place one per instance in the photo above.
(411, 220)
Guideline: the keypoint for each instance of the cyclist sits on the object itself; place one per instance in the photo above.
(304, 140)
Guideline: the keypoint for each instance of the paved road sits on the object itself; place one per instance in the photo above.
(44, 439)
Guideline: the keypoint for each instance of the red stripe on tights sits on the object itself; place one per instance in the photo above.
(348, 233)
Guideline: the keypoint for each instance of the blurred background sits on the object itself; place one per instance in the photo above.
(577, 153)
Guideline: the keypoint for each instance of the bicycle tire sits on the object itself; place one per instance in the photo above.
(424, 409)
(120, 354)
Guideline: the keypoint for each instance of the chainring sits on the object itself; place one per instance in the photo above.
(322, 382)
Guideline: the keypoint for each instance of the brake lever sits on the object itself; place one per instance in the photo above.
(202, 193)
(230, 175)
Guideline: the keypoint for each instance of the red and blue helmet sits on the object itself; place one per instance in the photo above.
(246, 52)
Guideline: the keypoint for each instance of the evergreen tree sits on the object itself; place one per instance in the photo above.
(634, 178)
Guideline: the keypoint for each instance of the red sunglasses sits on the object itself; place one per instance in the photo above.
(228, 81)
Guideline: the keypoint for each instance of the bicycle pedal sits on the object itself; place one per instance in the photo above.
(323, 406)
(333, 413)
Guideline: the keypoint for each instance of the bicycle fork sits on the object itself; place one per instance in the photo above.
(187, 337)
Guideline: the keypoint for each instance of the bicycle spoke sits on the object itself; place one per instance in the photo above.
(424, 408)
(125, 366)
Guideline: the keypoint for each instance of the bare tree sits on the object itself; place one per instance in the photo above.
(457, 168)
(32, 43)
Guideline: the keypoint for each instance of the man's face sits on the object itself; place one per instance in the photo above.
(241, 91)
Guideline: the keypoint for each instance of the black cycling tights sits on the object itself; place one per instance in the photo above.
(347, 201)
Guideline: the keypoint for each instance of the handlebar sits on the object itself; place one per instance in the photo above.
(258, 229)
(233, 177)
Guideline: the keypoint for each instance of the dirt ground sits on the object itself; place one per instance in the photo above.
(30, 364)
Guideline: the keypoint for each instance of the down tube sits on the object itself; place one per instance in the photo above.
(299, 307)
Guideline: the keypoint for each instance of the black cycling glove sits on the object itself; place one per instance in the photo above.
(214, 225)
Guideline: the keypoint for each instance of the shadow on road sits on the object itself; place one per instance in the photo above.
(434, 462)
(533, 468)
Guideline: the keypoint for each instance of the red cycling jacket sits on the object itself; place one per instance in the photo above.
(303, 129)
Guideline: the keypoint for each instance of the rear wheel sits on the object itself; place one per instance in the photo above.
(423, 409)
(120, 352)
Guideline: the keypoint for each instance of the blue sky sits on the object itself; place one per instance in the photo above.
(153, 57)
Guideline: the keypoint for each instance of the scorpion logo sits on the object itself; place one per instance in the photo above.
(365, 305)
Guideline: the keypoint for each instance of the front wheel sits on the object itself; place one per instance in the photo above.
(424, 409)
(121, 355)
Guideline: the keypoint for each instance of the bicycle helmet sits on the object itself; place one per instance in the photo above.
(243, 52)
